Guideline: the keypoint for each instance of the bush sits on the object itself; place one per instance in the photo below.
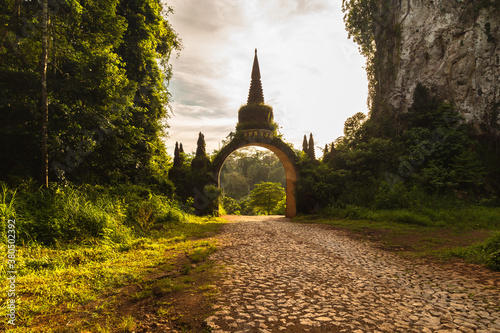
(54, 215)
(392, 197)
(230, 206)
(486, 253)
(491, 249)
(73, 214)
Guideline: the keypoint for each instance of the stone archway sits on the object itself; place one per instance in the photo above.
(256, 127)
(266, 139)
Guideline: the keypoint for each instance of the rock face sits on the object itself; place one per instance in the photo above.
(450, 46)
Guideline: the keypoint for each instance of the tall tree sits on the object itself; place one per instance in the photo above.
(352, 127)
(45, 100)
(182, 154)
(9, 21)
(311, 151)
(107, 74)
(177, 157)
(147, 45)
(201, 160)
(305, 146)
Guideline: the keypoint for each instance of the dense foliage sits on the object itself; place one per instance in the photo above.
(245, 169)
(106, 84)
(268, 197)
(58, 216)
(436, 155)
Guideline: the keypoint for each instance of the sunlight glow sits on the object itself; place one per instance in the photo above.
(312, 75)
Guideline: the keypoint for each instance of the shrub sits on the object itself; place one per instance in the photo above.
(255, 113)
(230, 206)
(73, 214)
(491, 249)
(487, 252)
(57, 215)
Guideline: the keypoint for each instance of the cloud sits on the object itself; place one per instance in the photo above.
(311, 73)
(192, 90)
(209, 16)
(184, 129)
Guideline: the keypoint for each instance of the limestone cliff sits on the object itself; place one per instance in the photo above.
(450, 46)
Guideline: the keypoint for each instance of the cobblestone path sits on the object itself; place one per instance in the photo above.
(289, 277)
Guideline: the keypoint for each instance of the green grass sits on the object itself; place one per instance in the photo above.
(51, 277)
(101, 243)
(466, 217)
(425, 231)
(127, 324)
(486, 252)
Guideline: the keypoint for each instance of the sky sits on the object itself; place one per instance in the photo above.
(312, 74)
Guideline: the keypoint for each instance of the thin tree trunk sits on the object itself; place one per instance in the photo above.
(45, 100)
(16, 13)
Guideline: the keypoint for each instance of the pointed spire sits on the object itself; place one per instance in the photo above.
(255, 95)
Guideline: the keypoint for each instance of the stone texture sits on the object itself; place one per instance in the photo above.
(288, 277)
(451, 48)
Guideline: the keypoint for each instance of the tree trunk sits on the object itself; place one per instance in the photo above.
(15, 15)
(45, 100)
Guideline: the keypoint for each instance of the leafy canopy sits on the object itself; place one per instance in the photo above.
(266, 196)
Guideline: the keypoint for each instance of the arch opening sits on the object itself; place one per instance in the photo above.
(244, 169)
(287, 161)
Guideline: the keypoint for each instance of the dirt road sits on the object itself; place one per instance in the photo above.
(289, 277)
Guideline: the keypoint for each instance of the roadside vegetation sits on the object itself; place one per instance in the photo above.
(470, 233)
(412, 172)
(433, 175)
(106, 237)
(84, 253)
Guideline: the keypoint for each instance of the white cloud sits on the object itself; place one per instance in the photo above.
(311, 73)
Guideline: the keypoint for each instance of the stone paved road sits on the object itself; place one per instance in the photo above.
(288, 277)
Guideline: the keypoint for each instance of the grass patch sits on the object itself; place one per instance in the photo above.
(127, 324)
(486, 253)
(71, 281)
(469, 232)
(463, 218)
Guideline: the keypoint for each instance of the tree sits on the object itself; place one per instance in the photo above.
(45, 100)
(352, 127)
(266, 196)
(177, 157)
(182, 155)
(311, 151)
(305, 146)
(246, 167)
(107, 77)
(201, 160)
